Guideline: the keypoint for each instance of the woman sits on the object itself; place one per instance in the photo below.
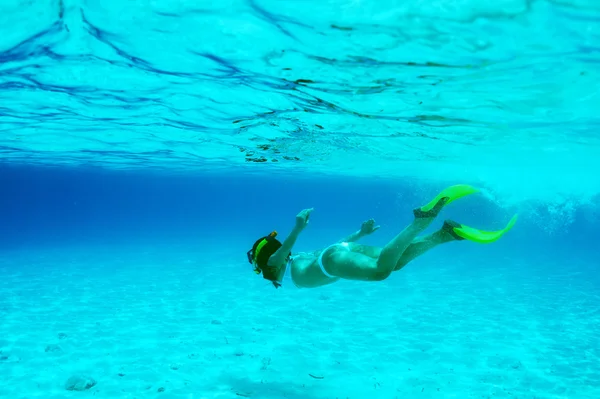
(349, 260)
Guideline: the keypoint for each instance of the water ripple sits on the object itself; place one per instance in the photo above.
(354, 87)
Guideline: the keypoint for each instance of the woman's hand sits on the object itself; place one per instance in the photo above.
(368, 227)
(302, 218)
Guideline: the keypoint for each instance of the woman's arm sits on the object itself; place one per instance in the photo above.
(357, 235)
(278, 258)
(367, 228)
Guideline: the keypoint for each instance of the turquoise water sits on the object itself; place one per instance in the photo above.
(145, 146)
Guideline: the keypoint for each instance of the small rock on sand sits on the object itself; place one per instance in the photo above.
(79, 383)
(53, 348)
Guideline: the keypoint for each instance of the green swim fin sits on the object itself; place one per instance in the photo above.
(447, 195)
(462, 232)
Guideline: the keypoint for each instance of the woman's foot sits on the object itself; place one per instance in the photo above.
(431, 212)
(452, 193)
(448, 229)
(461, 232)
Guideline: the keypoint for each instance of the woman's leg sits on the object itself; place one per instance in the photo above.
(420, 245)
(356, 265)
(416, 248)
(352, 265)
(450, 231)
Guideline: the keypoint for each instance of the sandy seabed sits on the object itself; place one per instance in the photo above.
(178, 323)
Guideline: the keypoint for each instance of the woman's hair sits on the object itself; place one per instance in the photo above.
(271, 273)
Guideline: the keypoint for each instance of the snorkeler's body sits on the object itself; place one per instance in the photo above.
(349, 260)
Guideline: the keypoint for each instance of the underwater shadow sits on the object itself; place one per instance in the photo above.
(244, 387)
